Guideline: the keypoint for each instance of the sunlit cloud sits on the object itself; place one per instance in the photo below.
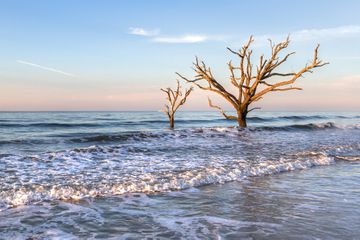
(260, 40)
(45, 68)
(155, 36)
(143, 32)
(310, 34)
(182, 39)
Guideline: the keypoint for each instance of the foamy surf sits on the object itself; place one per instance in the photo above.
(135, 177)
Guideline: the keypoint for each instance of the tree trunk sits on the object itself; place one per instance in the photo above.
(171, 121)
(241, 120)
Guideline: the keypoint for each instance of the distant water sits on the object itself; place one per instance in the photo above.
(109, 174)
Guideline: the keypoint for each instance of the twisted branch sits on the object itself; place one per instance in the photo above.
(221, 111)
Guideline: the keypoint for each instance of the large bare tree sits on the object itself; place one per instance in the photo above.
(251, 84)
(175, 99)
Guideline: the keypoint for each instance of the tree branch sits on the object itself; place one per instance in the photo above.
(221, 111)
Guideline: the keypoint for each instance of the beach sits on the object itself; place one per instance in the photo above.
(71, 175)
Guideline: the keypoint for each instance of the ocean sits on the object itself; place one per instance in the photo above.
(126, 175)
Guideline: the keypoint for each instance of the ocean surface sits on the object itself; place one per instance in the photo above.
(126, 175)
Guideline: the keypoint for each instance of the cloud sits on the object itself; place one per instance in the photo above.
(155, 36)
(45, 68)
(143, 32)
(309, 34)
(182, 39)
(260, 40)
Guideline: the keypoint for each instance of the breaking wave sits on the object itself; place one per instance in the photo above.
(201, 132)
(204, 132)
(310, 126)
(98, 171)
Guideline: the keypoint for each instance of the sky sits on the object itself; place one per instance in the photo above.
(91, 55)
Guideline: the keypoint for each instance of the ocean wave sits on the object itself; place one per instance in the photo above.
(298, 118)
(101, 138)
(117, 137)
(250, 119)
(109, 178)
(291, 127)
(25, 141)
(295, 117)
(204, 132)
(113, 122)
(49, 125)
(183, 121)
(309, 126)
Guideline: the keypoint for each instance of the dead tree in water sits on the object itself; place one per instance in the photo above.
(250, 84)
(175, 100)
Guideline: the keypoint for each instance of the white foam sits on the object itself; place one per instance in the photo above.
(159, 181)
(170, 162)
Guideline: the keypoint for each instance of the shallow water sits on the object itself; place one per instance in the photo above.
(319, 203)
(111, 174)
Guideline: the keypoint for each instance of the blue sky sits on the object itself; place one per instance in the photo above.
(115, 55)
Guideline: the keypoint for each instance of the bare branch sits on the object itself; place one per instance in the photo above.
(221, 110)
(275, 87)
(255, 108)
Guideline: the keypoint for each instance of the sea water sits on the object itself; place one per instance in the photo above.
(71, 175)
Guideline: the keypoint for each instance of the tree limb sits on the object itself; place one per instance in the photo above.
(221, 111)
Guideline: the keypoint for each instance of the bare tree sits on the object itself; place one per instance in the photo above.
(175, 100)
(251, 84)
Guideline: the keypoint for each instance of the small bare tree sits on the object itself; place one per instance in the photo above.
(175, 100)
(251, 84)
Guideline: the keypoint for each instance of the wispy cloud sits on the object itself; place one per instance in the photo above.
(144, 32)
(182, 39)
(45, 68)
(260, 40)
(310, 34)
(155, 36)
